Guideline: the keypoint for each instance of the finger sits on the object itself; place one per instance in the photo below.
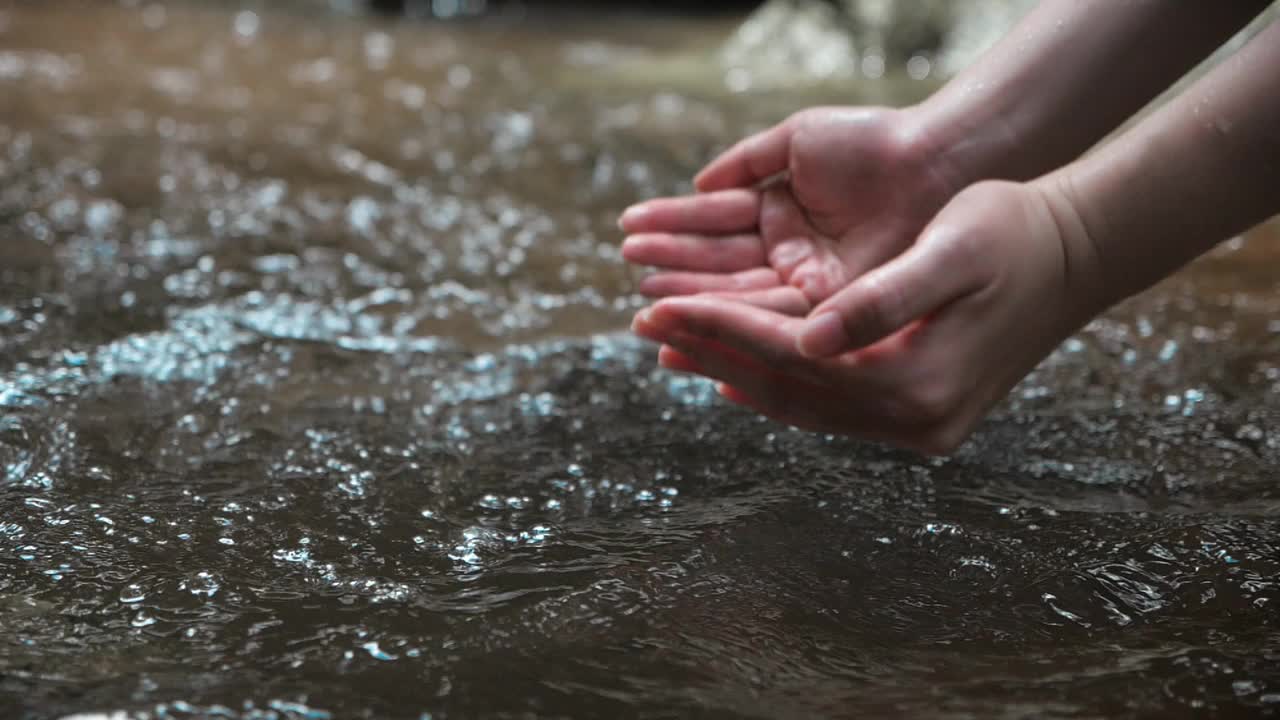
(729, 211)
(718, 362)
(667, 284)
(749, 162)
(803, 420)
(672, 359)
(930, 275)
(783, 299)
(791, 400)
(699, 253)
(781, 215)
(814, 396)
(812, 409)
(769, 336)
(715, 361)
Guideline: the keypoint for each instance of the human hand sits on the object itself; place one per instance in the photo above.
(915, 352)
(861, 183)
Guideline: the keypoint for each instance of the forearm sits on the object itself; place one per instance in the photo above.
(1201, 169)
(1068, 74)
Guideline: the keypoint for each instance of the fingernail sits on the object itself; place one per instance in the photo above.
(631, 216)
(641, 318)
(823, 336)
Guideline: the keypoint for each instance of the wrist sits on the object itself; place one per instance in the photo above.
(933, 151)
(961, 143)
(1088, 286)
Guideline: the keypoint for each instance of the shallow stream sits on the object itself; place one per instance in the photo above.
(316, 401)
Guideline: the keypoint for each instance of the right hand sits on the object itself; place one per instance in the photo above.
(861, 185)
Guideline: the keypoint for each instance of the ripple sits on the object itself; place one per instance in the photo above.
(317, 402)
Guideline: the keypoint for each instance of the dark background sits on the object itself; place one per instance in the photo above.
(423, 7)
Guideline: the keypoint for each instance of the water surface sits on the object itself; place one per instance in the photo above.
(316, 401)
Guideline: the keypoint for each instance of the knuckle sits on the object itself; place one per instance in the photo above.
(877, 313)
(965, 250)
(964, 254)
(931, 403)
(807, 133)
(963, 246)
(806, 118)
(953, 238)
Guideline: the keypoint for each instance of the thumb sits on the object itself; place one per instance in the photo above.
(750, 162)
(940, 268)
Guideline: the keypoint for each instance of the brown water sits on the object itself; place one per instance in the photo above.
(316, 401)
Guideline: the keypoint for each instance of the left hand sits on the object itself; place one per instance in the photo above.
(861, 183)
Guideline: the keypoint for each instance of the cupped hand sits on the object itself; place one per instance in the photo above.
(808, 205)
(917, 351)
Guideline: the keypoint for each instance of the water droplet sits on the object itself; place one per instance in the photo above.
(246, 24)
(203, 584)
(376, 652)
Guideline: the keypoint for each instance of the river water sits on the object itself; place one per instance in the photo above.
(316, 401)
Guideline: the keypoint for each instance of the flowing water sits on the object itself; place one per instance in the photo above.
(316, 401)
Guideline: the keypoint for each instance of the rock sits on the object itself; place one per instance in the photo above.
(785, 37)
(822, 39)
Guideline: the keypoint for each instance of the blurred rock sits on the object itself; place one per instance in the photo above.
(851, 38)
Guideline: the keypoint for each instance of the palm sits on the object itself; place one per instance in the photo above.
(794, 214)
